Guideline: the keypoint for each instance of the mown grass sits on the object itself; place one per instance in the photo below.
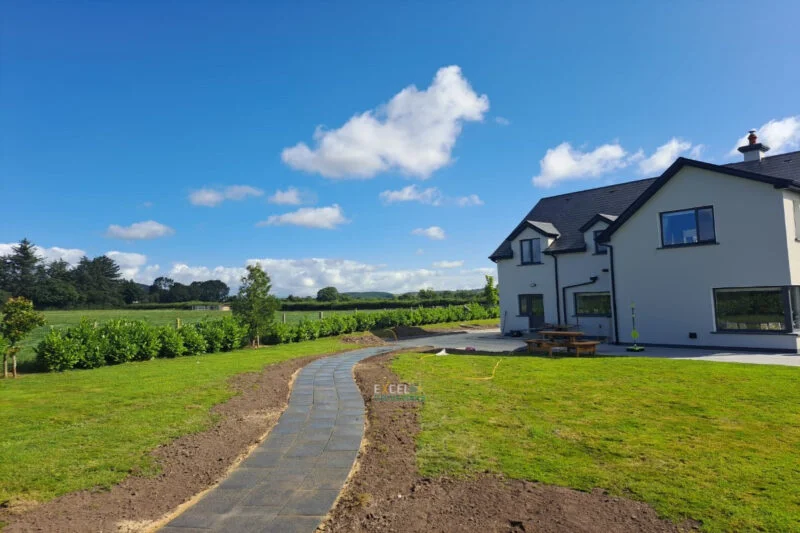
(89, 428)
(159, 317)
(715, 442)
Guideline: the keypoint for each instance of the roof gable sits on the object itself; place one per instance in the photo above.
(677, 166)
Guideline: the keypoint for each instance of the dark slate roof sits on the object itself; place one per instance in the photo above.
(785, 166)
(569, 212)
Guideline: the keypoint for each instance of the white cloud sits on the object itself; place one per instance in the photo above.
(149, 229)
(781, 135)
(434, 232)
(290, 196)
(414, 133)
(503, 121)
(306, 276)
(130, 264)
(420, 251)
(213, 197)
(565, 163)
(309, 217)
(468, 201)
(663, 157)
(429, 196)
(70, 255)
(697, 151)
(448, 264)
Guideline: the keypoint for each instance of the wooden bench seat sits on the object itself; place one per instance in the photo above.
(587, 347)
(537, 345)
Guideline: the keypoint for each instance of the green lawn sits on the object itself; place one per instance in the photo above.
(716, 442)
(85, 428)
(63, 319)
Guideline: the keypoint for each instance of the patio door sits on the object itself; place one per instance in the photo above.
(532, 306)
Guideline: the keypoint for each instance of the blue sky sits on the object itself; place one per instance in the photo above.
(119, 117)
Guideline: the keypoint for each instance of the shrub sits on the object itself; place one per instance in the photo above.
(234, 335)
(193, 340)
(146, 339)
(280, 334)
(212, 332)
(58, 352)
(120, 345)
(171, 342)
(92, 344)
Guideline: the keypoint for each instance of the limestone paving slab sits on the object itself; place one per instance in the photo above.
(292, 479)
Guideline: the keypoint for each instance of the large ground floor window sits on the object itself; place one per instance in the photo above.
(757, 309)
(592, 304)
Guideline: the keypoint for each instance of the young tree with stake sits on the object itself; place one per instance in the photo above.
(253, 305)
(19, 319)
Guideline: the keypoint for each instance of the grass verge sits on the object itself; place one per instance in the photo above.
(715, 442)
(81, 429)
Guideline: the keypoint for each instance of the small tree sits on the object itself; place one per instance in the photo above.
(253, 305)
(328, 294)
(19, 319)
(491, 296)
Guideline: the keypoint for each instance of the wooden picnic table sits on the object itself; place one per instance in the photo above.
(549, 339)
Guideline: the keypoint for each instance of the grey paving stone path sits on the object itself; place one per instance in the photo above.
(292, 479)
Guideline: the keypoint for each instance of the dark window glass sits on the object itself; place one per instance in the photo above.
(531, 304)
(762, 309)
(592, 304)
(691, 226)
(530, 251)
(599, 248)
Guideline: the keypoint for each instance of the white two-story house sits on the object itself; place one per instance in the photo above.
(707, 255)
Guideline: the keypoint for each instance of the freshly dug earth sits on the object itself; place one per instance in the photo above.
(187, 465)
(367, 339)
(386, 493)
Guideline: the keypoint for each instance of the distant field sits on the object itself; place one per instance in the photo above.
(160, 317)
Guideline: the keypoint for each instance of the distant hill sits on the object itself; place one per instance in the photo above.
(369, 295)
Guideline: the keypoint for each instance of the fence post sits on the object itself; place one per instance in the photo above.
(284, 317)
(321, 315)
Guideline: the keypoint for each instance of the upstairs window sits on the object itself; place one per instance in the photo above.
(599, 249)
(688, 227)
(796, 220)
(530, 251)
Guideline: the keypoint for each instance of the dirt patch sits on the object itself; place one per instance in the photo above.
(387, 494)
(188, 465)
(366, 339)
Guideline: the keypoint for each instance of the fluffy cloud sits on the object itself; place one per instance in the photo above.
(149, 229)
(448, 264)
(306, 276)
(429, 196)
(663, 157)
(781, 135)
(503, 121)
(565, 163)
(130, 264)
(309, 217)
(291, 196)
(414, 133)
(214, 197)
(434, 232)
(70, 255)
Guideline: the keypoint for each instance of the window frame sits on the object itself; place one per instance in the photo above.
(529, 297)
(533, 258)
(696, 211)
(575, 304)
(599, 249)
(786, 304)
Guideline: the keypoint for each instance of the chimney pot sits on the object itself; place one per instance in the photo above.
(753, 150)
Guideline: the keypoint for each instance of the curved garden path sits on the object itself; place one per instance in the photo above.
(292, 479)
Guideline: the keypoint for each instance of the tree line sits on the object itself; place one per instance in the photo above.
(96, 282)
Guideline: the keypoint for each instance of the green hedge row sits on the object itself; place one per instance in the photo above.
(365, 304)
(89, 345)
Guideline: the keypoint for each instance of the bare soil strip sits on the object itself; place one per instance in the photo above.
(386, 494)
(188, 465)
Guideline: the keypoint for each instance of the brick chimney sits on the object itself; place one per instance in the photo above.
(753, 150)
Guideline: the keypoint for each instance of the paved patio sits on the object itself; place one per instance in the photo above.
(292, 479)
(492, 341)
